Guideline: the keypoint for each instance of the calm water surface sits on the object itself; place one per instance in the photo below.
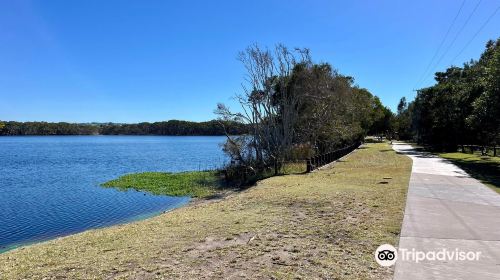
(49, 185)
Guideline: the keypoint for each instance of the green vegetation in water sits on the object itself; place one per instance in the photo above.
(194, 183)
(484, 168)
(201, 184)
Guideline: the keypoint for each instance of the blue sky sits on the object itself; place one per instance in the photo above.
(133, 61)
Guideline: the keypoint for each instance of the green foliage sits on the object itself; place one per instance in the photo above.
(172, 127)
(332, 112)
(291, 103)
(463, 107)
(196, 183)
(485, 114)
(45, 128)
(402, 125)
(382, 118)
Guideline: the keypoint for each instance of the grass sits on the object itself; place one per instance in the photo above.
(484, 168)
(195, 183)
(324, 224)
(294, 168)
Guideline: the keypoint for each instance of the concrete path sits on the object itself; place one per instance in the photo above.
(446, 208)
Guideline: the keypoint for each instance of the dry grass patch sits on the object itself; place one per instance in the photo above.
(326, 224)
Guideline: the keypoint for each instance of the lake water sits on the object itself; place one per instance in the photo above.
(49, 185)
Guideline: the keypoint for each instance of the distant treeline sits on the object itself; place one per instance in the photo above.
(172, 127)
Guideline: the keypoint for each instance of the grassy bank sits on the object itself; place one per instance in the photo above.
(325, 224)
(195, 183)
(484, 168)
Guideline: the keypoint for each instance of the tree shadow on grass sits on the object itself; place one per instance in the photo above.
(415, 153)
(484, 169)
(372, 140)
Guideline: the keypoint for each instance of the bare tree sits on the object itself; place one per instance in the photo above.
(268, 107)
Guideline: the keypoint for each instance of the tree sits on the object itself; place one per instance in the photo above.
(290, 103)
(462, 107)
(403, 120)
(268, 107)
(486, 108)
(383, 119)
(402, 105)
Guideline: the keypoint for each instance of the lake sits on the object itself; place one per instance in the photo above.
(49, 185)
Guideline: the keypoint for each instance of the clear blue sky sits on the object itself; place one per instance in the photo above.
(132, 61)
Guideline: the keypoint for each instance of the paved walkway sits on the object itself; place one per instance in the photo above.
(446, 208)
